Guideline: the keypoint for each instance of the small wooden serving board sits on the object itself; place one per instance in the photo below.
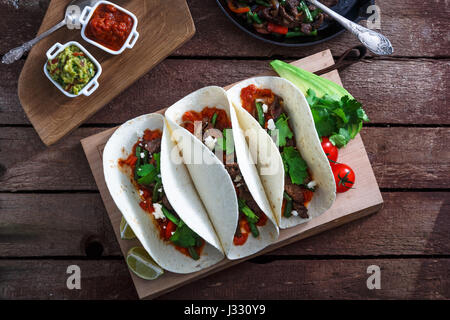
(162, 30)
(363, 200)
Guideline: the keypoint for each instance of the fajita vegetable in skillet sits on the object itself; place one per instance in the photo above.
(203, 125)
(281, 18)
(157, 198)
(304, 188)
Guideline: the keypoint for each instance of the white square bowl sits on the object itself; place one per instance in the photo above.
(86, 16)
(91, 86)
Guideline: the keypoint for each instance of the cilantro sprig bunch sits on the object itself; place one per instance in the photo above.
(340, 120)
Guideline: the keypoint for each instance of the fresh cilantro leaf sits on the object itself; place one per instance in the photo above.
(297, 167)
(340, 119)
(340, 139)
(148, 173)
(145, 169)
(284, 132)
(325, 125)
(184, 237)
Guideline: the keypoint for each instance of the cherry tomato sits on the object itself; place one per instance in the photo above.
(330, 150)
(344, 177)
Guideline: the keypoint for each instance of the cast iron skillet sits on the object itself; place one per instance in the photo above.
(354, 10)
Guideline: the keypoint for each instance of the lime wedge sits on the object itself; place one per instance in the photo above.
(126, 233)
(140, 262)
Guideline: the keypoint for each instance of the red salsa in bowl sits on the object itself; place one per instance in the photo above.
(110, 27)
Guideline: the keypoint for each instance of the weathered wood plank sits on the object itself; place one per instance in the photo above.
(26, 164)
(415, 29)
(55, 225)
(34, 225)
(392, 91)
(289, 279)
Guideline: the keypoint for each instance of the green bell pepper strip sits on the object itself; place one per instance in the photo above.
(305, 9)
(193, 253)
(288, 208)
(155, 196)
(260, 113)
(253, 229)
(293, 34)
(171, 216)
(214, 119)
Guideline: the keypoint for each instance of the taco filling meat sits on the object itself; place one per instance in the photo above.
(145, 174)
(267, 108)
(213, 127)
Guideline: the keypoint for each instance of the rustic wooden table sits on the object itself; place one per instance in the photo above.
(51, 214)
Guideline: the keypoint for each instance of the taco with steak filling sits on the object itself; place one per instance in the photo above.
(303, 185)
(214, 150)
(154, 192)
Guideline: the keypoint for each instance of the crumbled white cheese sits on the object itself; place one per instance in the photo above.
(259, 100)
(142, 155)
(159, 175)
(271, 125)
(238, 178)
(311, 184)
(158, 214)
(265, 107)
(160, 190)
(141, 192)
(210, 142)
(294, 213)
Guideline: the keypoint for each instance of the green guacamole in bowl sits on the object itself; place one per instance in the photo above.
(71, 69)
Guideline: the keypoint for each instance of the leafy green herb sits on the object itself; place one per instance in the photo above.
(184, 237)
(341, 120)
(145, 169)
(284, 132)
(147, 173)
(294, 165)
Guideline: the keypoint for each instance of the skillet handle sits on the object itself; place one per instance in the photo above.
(341, 63)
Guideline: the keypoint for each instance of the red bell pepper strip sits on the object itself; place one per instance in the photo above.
(236, 9)
(275, 28)
(169, 229)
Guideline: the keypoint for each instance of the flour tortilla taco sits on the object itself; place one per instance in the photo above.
(157, 197)
(303, 185)
(208, 136)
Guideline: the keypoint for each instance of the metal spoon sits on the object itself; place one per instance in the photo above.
(372, 40)
(71, 18)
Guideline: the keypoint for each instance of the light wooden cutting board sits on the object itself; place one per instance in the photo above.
(363, 200)
(162, 30)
